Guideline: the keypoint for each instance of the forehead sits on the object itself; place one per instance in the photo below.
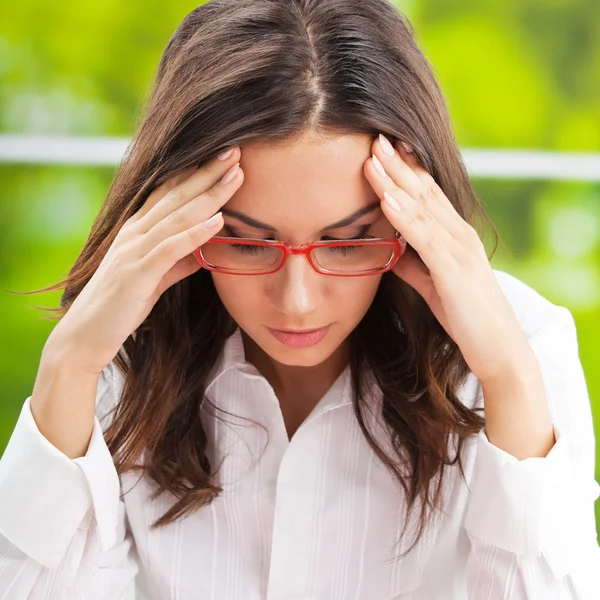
(304, 182)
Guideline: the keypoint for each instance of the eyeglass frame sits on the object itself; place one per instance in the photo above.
(398, 244)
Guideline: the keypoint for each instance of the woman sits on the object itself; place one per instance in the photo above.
(431, 440)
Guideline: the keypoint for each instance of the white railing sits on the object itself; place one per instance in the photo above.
(480, 162)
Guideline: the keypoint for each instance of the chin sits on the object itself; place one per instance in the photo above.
(300, 357)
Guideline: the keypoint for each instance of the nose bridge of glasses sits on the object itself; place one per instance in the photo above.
(302, 249)
(298, 253)
(297, 248)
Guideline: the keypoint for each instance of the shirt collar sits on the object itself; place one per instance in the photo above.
(232, 356)
(232, 361)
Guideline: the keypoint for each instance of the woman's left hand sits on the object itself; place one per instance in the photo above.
(446, 263)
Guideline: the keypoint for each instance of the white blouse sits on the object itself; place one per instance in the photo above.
(314, 518)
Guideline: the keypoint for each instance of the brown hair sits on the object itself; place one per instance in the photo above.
(242, 71)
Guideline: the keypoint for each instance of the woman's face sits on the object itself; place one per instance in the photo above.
(299, 189)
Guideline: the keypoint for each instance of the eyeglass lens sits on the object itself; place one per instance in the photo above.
(349, 258)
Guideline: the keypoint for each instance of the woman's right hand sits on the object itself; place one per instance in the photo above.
(151, 252)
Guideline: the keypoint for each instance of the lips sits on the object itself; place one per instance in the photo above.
(299, 331)
(300, 338)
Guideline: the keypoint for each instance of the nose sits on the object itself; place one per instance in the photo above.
(297, 289)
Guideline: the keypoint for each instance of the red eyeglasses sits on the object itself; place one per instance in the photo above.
(341, 258)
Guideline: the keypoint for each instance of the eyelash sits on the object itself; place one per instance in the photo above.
(253, 250)
(343, 249)
(361, 236)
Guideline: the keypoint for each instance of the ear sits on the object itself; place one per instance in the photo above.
(403, 147)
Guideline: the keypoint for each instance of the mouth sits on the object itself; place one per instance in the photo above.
(300, 338)
(300, 331)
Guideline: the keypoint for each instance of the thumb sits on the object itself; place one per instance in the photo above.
(180, 270)
(414, 271)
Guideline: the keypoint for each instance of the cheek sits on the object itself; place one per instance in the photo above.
(238, 294)
(245, 296)
(354, 295)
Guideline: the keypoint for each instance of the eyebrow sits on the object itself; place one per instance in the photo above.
(361, 212)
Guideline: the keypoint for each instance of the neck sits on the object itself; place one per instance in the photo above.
(297, 384)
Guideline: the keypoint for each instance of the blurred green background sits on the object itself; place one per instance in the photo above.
(517, 74)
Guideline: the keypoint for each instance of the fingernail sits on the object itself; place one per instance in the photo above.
(225, 155)
(379, 166)
(391, 201)
(230, 175)
(213, 221)
(387, 148)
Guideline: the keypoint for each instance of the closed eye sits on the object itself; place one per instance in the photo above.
(362, 235)
(356, 237)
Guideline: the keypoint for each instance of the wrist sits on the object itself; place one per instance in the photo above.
(519, 367)
(61, 352)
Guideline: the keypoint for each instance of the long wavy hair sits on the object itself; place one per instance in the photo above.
(237, 72)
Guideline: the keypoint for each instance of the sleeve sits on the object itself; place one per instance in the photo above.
(531, 522)
(63, 527)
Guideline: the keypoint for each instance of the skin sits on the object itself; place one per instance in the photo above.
(307, 184)
(299, 188)
(449, 268)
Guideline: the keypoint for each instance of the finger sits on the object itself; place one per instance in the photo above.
(420, 172)
(170, 251)
(431, 194)
(184, 268)
(161, 191)
(200, 180)
(413, 221)
(434, 244)
(403, 167)
(189, 215)
(413, 270)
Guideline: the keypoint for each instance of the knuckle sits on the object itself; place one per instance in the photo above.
(215, 192)
(121, 266)
(424, 195)
(130, 220)
(411, 220)
(438, 192)
(435, 191)
(432, 241)
(424, 215)
(220, 193)
(129, 228)
(194, 236)
(470, 233)
(177, 219)
(174, 196)
(166, 248)
(214, 170)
